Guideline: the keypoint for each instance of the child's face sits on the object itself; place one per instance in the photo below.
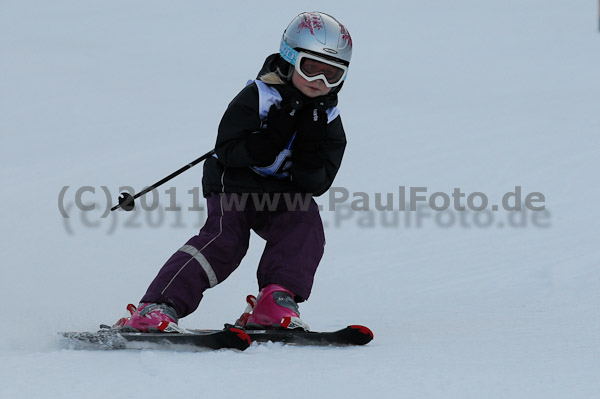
(312, 89)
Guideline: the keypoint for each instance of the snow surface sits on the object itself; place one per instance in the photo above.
(479, 95)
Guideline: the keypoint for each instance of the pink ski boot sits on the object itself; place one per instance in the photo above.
(150, 317)
(274, 308)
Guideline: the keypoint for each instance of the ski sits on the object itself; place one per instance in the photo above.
(230, 338)
(349, 336)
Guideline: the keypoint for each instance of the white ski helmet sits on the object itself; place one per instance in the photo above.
(318, 34)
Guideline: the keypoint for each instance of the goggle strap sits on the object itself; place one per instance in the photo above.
(288, 53)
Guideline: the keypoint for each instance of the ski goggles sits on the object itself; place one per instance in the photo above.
(312, 67)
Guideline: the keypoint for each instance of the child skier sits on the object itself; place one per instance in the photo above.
(281, 139)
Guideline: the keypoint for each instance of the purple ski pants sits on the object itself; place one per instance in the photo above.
(294, 247)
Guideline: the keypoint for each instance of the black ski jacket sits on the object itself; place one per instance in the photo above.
(233, 170)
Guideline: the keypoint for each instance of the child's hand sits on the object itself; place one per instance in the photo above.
(312, 127)
(309, 144)
(282, 121)
(291, 97)
(269, 141)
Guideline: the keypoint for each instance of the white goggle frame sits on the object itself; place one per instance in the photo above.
(295, 58)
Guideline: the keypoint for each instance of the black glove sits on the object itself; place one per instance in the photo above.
(270, 140)
(310, 139)
(291, 96)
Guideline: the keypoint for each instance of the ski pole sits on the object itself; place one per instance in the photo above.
(126, 200)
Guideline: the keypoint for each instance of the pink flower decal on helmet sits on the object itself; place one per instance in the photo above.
(310, 21)
(346, 35)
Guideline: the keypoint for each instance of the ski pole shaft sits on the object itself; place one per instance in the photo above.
(126, 200)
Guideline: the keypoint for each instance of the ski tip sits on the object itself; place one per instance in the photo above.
(365, 335)
(243, 336)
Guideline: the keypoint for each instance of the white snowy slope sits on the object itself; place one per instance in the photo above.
(477, 95)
